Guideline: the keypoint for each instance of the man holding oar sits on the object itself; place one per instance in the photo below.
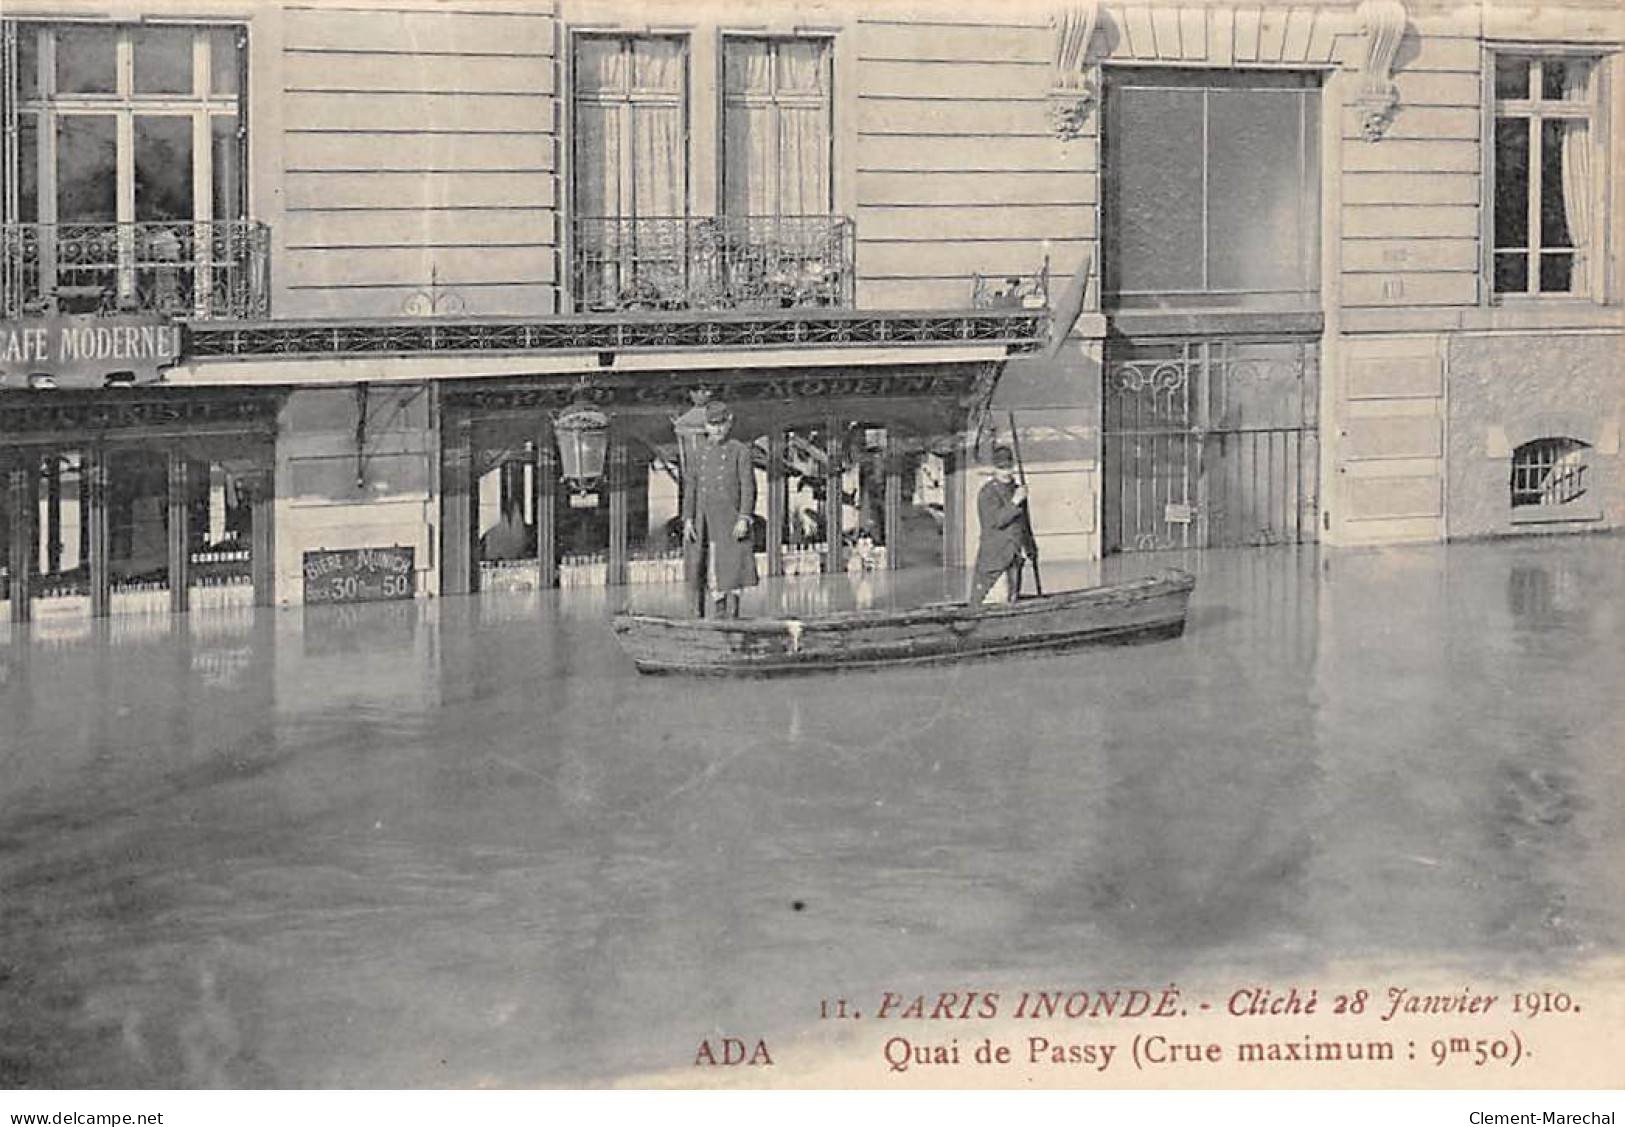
(1001, 507)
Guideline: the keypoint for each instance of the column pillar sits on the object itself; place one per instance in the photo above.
(953, 505)
(180, 532)
(834, 557)
(21, 484)
(98, 529)
(458, 574)
(84, 509)
(508, 489)
(777, 500)
(893, 517)
(53, 515)
(547, 505)
(615, 473)
(262, 532)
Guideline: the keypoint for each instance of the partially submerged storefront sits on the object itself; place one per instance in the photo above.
(856, 468)
(1340, 273)
(437, 440)
(124, 500)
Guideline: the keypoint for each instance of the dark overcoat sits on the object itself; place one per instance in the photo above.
(721, 489)
(1004, 531)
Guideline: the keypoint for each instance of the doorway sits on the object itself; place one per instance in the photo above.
(1211, 382)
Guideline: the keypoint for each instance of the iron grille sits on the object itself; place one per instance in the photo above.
(213, 270)
(1019, 330)
(721, 262)
(1549, 471)
(1210, 443)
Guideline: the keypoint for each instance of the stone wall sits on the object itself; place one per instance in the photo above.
(1507, 389)
(341, 485)
(419, 163)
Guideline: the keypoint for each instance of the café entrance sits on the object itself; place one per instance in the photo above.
(151, 502)
(854, 471)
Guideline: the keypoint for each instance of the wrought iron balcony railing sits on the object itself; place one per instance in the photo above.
(216, 270)
(724, 262)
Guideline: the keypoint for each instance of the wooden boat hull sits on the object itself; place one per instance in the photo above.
(1139, 610)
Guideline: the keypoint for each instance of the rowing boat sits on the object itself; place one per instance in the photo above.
(1138, 610)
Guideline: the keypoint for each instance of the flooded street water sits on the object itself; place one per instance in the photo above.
(461, 842)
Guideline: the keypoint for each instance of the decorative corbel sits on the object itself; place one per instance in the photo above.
(1378, 98)
(1071, 93)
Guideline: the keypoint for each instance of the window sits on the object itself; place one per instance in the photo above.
(631, 144)
(1549, 472)
(782, 247)
(776, 111)
(1545, 163)
(1212, 194)
(125, 138)
(630, 162)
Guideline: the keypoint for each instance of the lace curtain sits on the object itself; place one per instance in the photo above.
(631, 166)
(629, 128)
(776, 134)
(1577, 169)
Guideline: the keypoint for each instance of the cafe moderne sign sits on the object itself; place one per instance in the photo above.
(86, 351)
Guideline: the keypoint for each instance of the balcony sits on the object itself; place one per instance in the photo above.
(752, 262)
(188, 270)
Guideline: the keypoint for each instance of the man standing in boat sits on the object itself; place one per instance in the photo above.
(1001, 508)
(719, 502)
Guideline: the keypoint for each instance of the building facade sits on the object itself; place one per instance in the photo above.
(1234, 274)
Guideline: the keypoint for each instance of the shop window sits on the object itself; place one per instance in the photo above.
(220, 525)
(505, 495)
(863, 498)
(506, 509)
(654, 515)
(1212, 193)
(583, 535)
(138, 520)
(1545, 190)
(922, 515)
(62, 562)
(1549, 473)
(218, 492)
(806, 507)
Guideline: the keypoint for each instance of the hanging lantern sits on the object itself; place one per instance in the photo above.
(582, 434)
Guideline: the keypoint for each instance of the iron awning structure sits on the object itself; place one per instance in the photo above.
(1020, 330)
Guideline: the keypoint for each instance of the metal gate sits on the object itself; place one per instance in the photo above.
(1210, 443)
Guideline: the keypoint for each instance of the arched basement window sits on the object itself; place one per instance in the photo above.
(1548, 472)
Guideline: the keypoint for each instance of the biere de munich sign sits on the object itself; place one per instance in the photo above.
(83, 351)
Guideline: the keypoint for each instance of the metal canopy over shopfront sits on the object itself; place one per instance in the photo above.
(601, 333)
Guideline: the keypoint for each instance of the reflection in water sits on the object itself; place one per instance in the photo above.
(461, 842)
(1531, 594)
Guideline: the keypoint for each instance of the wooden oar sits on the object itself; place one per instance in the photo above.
(1026, 515)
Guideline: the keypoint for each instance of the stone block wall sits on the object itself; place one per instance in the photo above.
(1509, 389)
